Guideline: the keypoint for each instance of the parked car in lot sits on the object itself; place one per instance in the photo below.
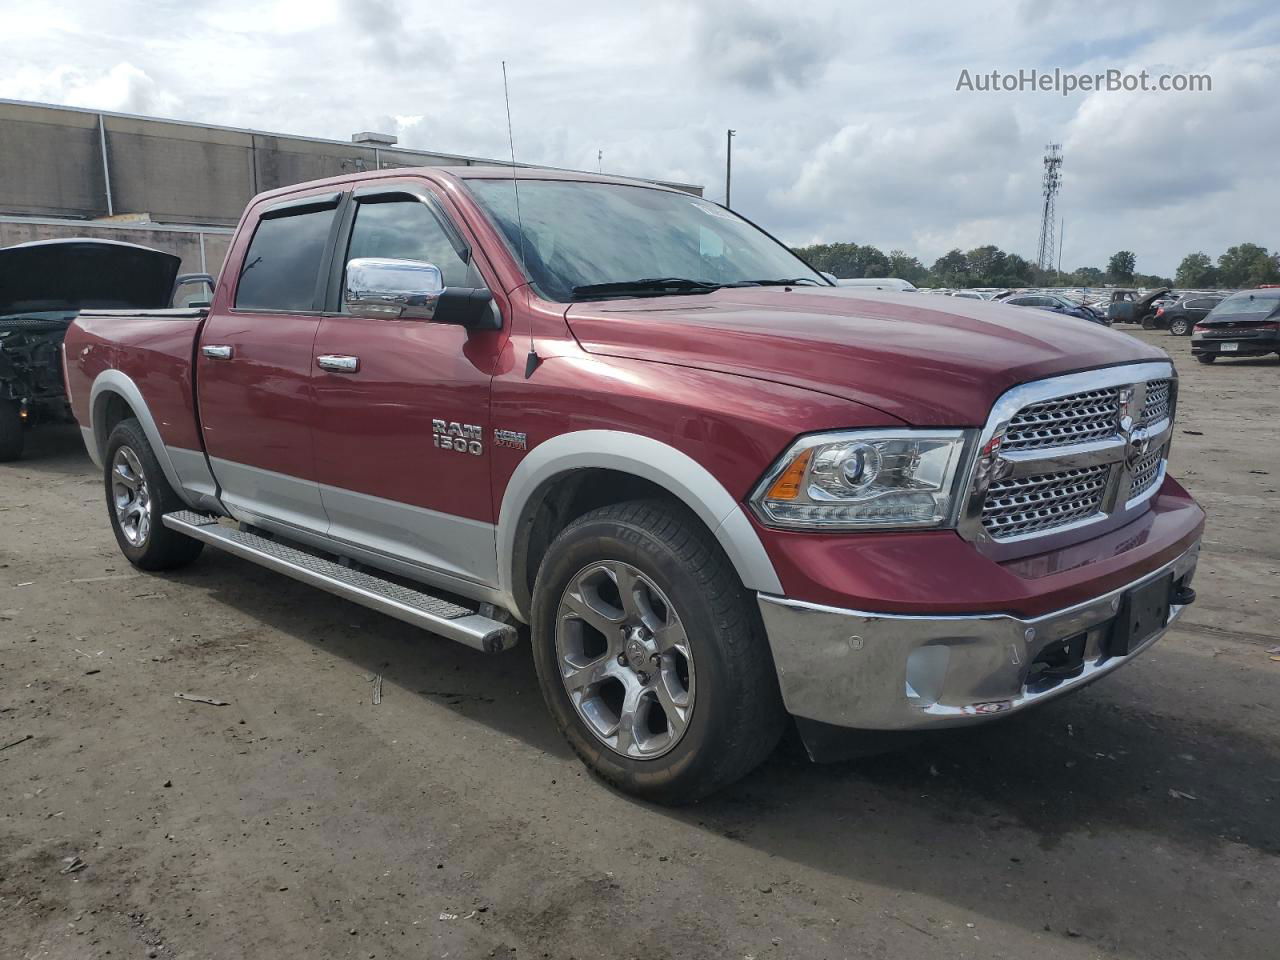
(1057, 304)
(1246, 324)
(879, 283)
(1129, 306)
(1184, 313)
(42, 285)
(717, 489)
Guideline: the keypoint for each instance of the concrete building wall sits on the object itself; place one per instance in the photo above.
(66, 162)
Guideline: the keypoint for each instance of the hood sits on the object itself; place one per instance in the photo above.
(1143, 304)
(928, 360)
(50, 276)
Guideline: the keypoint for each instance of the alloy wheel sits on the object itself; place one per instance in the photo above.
(130, 496)
(624, 659)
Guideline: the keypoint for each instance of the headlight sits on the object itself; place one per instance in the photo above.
(864, 479)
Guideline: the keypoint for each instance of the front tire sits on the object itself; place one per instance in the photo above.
(1179, 327)
(651, 655)
(1206, 357)
(12, 431)
(138, 495)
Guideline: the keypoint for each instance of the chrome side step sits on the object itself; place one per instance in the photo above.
(421, 609)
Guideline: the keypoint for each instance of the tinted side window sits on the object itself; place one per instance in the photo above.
(406, 230)
(283, 263)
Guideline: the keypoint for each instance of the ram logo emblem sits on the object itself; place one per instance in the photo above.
(462, 437)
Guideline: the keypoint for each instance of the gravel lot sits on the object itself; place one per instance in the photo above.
(1138, 818)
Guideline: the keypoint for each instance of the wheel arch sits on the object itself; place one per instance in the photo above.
(115, 397)
(554, 475)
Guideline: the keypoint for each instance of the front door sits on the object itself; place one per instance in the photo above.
(401, 421)
(253, 368)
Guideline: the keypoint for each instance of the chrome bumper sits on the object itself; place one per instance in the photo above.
(877, 671)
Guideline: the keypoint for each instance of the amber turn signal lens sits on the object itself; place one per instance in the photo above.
(787, 486)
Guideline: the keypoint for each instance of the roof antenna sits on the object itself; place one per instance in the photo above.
(532, 361)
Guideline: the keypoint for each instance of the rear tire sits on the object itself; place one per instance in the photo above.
(138, 495)
(1206, 357)
(1179, 327)
(696, 650)
(12, 431)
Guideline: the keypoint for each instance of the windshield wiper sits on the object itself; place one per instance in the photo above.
(651, 286)
(775, 283)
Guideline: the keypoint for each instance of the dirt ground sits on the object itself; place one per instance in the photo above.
(1139, 818)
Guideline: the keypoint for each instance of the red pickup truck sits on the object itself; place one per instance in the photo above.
(719, 490)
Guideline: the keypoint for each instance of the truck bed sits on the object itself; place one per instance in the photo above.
(154, 349)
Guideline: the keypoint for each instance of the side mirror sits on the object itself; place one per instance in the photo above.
(384, 289)
(388, 289)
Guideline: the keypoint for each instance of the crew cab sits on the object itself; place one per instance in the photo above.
(718, 490)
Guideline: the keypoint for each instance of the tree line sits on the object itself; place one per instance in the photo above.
(1244, 265)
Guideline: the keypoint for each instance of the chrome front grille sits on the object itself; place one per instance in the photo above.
(1156, 407)
(1080, 417)
(1145, 473)
(1016, 507)
(1069, 452)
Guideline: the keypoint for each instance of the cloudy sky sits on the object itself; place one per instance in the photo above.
(850, 126)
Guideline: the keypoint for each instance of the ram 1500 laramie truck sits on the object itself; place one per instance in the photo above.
(718, 490)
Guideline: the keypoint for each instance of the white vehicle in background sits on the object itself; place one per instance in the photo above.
(880, 283)
(968, 295)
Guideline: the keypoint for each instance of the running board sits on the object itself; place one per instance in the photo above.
(421, 609)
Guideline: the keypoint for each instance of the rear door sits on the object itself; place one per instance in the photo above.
(254, 366)
(1197, 309)
(403, 433)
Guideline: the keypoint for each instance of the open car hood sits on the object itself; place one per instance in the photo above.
(928, 360)
(51, 276)
(1141, 306)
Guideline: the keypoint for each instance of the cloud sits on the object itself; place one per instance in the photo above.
(849, 124)
(762, 48)
(384, 35)
(123, 88)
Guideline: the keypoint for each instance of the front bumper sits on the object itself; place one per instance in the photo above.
(876, 671)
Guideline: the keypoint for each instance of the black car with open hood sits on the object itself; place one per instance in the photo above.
(43, 285)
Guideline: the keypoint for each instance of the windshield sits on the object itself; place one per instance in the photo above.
(579, 234)
(1253, 301)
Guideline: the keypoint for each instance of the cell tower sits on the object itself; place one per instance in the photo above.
(1052, 181)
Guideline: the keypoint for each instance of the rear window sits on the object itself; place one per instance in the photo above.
(283, 263)
(1246, 302)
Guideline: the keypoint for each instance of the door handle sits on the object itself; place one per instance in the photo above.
(217, 352)
(336, 363)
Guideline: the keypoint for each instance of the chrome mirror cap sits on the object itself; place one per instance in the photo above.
(386, 289)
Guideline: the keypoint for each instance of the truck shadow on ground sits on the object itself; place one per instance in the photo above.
(1090, 761)
(987, 820)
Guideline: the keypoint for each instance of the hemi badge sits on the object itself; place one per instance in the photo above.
(510, 438)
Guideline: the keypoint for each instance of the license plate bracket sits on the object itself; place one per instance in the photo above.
(1143, 611)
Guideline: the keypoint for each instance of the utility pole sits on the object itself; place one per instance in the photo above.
(728, 165)
(600, 161)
